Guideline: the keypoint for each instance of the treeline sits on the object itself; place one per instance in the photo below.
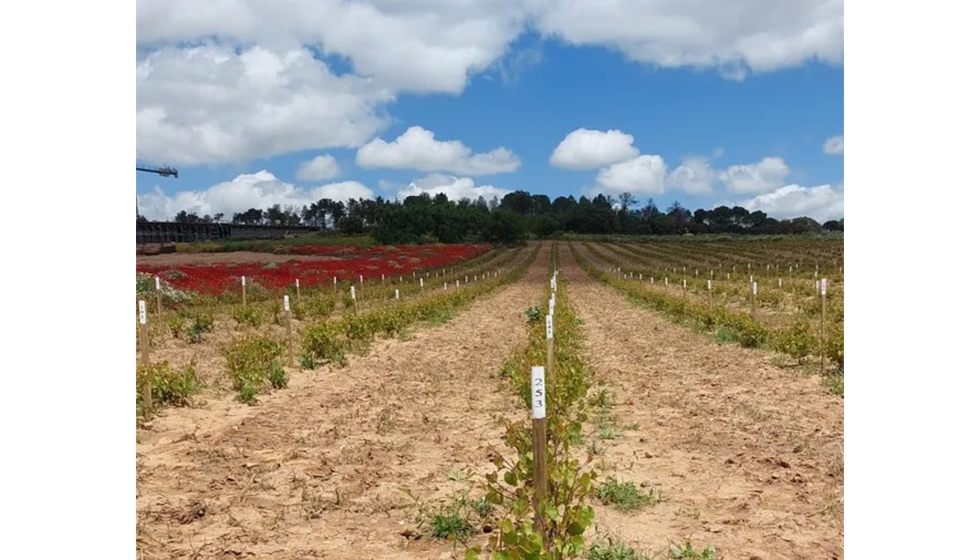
(514, 217)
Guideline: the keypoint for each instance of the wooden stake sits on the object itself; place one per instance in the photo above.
(159, 303)
(823, 320)
(297, 289)
(289, 328)
(244, 301)
(754, 289)
(539, 443)
(145, 361)
(353, 297)
(709, 293)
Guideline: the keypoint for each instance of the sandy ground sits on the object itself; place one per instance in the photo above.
(748, 457)
(317, 470)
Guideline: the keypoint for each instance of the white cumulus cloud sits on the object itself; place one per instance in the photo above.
(237, 80)
(252, 190)
(693, 176)
(455, 188)
(591, 149)
(211, 104)
(418, 149)
(320, 168)
(822, 203)
(834, 146)
(760, 177)
(641, 175)
(733, 36)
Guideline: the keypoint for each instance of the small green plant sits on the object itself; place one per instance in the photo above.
(247, 315)
(176, 324)
(168, 386)
(614, 550)
(306, 361)
(625, 496)
(200, 324)
(247, 393)
(533, 314)
(688, 552)
(601, 399)
(796, 341)
(608, 432)
(726, 335)
(251, 361)
(450, 525)
(277, 377)
(835, 383)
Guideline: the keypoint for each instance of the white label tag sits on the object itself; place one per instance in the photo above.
(396, 293)
(823, 287)
(158, 282)
(353, 294)
(297, 283)
(755, 288)
(549, 326)
(285, 302)
(422, 282)
(243, 281)
(142, 306)
(361, 276)
(709, 285)
(537, 392)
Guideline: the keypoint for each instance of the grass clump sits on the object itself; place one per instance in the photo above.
(625, 496)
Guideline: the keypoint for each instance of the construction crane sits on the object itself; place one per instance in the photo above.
(161, 171)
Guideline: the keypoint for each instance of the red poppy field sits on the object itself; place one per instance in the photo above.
(343, 262)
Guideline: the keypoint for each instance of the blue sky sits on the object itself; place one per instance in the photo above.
(704, 120)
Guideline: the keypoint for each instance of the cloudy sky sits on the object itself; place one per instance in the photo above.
(258, 102)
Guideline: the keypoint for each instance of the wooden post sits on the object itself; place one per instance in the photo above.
(159, 303)
(539, 443)
(145, 361)
(550, 337)
(289, 329)
(754, 290)
(709, 293)
(353, 297)
(244, 300)
(396, 293)
(685, 288)
(823, 321)
(297, 289)
(335, 285)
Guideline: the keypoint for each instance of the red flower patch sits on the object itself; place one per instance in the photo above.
(355, 261)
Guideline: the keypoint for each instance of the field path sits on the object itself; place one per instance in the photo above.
(316, 470)
(748, 457)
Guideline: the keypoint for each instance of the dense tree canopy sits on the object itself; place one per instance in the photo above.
(516, 216)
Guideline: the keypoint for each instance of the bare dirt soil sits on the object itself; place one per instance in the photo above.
(748, 457)
(232, 257)
(317, 470)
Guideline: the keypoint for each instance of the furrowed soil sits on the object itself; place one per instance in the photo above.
(317, 470)
(748, 457)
